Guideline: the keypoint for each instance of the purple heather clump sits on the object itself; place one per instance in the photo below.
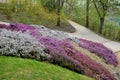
(85, 64)
(3, 26)
(25, 28)
(56, 46)
(99, 50)
(20, 27)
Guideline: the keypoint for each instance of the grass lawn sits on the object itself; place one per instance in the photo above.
(12, 68)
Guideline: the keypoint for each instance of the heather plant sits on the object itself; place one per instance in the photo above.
(20, 27)
(63, 49)
(98, 49)
(3, 26)
(111, 68)
(37, 29)
(15, 43)
(52, 33)
(62, 52)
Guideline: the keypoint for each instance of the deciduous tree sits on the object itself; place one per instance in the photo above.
(102, 7)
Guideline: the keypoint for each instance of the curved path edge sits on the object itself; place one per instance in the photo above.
(83, 32)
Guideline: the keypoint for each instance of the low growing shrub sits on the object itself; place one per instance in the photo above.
(98, 49)
(62, 52)
(83, 63)
(16, 43)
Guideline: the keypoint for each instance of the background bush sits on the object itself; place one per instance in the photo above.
(33, 13)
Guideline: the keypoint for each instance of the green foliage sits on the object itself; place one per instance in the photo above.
(101, 7)
(33, 13)
(27, 11)
(6, 9)
(49, 4)
(23, 69)
(110, 30)
(53, 5)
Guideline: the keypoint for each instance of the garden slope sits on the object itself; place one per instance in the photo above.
(55, 47)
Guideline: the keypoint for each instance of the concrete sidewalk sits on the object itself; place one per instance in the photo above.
(4, 23)
(83, 32)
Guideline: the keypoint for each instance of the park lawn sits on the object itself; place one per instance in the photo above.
(12, 68)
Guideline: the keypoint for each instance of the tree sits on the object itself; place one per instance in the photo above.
(101, 7)
(55, 5)
(59, 8)
(87, 12)
(70, 5)
(49, 4)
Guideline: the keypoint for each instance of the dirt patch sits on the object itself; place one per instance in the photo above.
(118, 57)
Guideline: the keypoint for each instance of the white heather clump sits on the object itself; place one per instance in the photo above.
(52, 33)
(16, 43)
(76, 40)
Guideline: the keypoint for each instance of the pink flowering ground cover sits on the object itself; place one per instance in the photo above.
(64, 54)
(99, 50)
(83, 63)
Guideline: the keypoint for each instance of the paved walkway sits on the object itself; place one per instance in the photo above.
(4, 23)
(83, 32)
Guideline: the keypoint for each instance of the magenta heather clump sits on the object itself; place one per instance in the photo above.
(20, 27)
(66, 50)
(25, 28)
(3, 26)
(99, 50)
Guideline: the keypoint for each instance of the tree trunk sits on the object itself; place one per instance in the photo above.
(101, 25)
(87, 21)
(58, 19)
(87, 13)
